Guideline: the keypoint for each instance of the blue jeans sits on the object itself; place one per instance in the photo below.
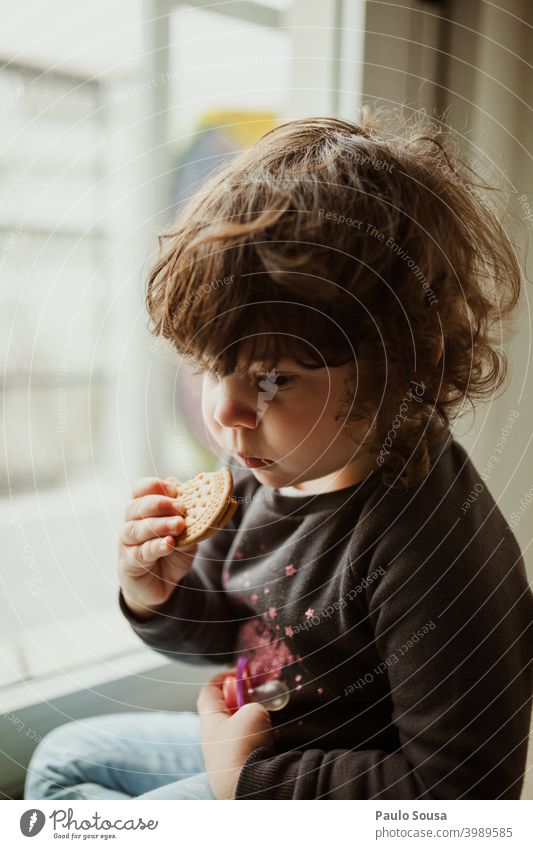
(148, 755)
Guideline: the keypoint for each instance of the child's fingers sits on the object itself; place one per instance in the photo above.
(152, 505)
(152, 486)
(210, 699)
(152, 550)
(137, 532)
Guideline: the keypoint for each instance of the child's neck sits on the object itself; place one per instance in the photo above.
(349, 475)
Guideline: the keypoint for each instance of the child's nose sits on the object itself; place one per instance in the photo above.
(232, 409)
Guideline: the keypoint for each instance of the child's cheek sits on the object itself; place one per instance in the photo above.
(208, 410)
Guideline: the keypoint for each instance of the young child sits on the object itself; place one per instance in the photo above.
(338, 286)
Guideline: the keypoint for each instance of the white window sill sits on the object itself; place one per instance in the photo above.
(32, 691)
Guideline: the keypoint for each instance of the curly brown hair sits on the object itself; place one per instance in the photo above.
(330, 242)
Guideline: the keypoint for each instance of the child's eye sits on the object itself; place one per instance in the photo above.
(279, 381)
(265, 378)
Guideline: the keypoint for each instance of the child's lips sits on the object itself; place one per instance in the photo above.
(255, 462)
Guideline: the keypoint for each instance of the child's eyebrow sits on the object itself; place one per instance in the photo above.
(261, 367)
(286, 365)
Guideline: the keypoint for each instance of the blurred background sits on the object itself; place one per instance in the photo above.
(111, 115)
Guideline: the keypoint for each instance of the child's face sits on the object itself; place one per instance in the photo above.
(288, 417)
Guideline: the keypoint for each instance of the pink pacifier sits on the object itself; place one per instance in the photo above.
(237, 690)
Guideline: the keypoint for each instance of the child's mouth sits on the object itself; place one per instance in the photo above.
(255, 462)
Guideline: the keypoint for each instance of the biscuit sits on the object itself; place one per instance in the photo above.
(208, 504)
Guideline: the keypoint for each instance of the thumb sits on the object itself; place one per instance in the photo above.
(255, 718)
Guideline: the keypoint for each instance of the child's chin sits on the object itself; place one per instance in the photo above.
(264, 469)
(270, 475)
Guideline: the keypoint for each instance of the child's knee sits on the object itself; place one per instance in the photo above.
(55, 757)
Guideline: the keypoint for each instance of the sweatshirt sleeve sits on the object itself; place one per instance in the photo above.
(197, 624)
(452, 623)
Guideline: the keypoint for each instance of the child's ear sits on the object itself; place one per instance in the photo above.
(422, 374)
(440, 349)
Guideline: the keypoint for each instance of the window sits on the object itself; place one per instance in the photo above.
(96, 157)
(53, 286)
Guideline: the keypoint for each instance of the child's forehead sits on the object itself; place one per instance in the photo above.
(257, 364)
(283, 361)
(282, 364)
(262, 365)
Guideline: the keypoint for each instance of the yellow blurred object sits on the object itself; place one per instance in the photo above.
(244, 125)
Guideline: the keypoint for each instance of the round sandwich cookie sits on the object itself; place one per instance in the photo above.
(208, 504)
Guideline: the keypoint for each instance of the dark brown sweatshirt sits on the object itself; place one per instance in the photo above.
(402, 625)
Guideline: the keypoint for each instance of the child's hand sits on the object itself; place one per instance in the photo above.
(148, 565)
(229, 740)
